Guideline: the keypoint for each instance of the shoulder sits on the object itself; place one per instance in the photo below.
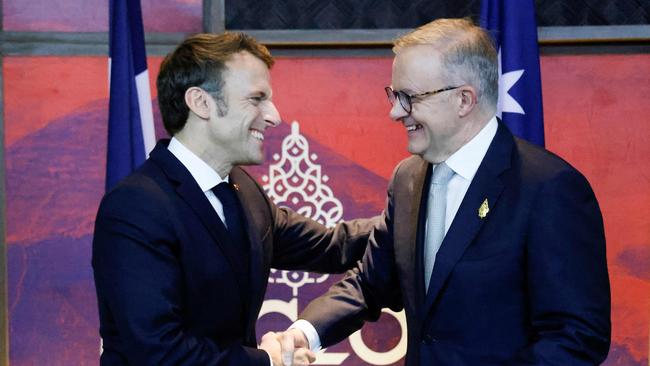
(247, 184)
(145, 191)
(249, 189)
(540, 167)
(406, 168)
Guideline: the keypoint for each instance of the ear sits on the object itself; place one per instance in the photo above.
(468, 100)
(197, 101)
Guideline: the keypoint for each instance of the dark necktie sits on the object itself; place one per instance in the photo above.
(234, 215)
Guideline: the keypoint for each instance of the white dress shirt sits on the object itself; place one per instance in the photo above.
(465, 163)
(203, 174)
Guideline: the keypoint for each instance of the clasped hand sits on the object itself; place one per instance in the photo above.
(288, 348)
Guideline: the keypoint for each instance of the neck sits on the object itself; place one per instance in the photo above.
(198, 144)
(475, 123)
(472, 125)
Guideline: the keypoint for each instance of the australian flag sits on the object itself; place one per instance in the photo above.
(130, 119)
(514, 30)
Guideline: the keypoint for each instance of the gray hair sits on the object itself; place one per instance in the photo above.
(468, 54)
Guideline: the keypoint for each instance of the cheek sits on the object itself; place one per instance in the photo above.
(251, 114)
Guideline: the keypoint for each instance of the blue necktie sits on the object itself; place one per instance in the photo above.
(436, 212)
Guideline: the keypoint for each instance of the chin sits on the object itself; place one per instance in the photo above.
(256, 160)
(415, 150)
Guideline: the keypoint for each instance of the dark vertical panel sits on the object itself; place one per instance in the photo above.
(4, 330)
(214, 16)
(4, 336)
(379, 14)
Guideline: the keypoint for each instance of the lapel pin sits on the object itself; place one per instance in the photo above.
(235, 186)
(484, 209)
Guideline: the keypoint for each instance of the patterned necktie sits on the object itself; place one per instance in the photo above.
(436, 212)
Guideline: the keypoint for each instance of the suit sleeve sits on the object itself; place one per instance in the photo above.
(364, 291)
(567, 276)
(140, 291)
(301, 243)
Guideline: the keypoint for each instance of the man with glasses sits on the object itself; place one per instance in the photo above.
(183, 247)
(494, 247)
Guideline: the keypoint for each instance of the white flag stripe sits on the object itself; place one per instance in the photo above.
(146, 112)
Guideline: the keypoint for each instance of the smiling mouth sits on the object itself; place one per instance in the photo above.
(257, 135)
(414, 127)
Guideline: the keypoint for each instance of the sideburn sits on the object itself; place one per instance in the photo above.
(222, 107)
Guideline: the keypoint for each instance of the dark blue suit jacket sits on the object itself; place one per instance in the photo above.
(171, 287)
(525, 285)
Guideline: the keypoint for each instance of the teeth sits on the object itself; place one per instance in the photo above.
(257, 134)
(411, 128)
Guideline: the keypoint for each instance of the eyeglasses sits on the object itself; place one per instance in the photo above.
(405, 100)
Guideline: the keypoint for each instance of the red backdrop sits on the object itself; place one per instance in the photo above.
(596, 114)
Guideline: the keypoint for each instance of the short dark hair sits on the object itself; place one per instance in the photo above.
(199, 61)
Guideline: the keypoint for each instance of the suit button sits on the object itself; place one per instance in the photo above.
(428, 339)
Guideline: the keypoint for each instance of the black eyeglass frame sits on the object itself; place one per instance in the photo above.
(408, 98)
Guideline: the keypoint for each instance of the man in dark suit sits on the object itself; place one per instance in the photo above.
(494, 247)
(183, 247)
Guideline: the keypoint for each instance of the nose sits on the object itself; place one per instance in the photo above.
(397, 112)
(271, 115)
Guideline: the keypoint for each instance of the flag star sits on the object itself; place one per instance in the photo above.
(506, 102)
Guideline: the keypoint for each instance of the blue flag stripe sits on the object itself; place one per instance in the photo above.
(513, 27)
(126, 149)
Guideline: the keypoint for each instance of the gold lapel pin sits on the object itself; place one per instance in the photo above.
(484, 209)
(235, 186)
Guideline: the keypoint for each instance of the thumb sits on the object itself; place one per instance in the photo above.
(286, 341)
(311, 356)
(299, 338)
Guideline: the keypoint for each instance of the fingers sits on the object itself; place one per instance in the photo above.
(271, 345)
(299, 338)
(269, 336)
(303, 357)
(288, 349)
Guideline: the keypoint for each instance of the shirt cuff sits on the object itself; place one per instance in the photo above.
(310, 332)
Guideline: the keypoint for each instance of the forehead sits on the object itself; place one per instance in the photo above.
(417, 64)
(245, 71)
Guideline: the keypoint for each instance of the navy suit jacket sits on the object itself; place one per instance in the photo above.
(170, 283)
(525, 285)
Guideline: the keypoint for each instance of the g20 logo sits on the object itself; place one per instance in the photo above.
(289, 309)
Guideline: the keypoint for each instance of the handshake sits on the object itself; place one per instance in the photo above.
(288, 348)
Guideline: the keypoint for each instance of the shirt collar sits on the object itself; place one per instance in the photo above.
(467, 159)
(202, 173)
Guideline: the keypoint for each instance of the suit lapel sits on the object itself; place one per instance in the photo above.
(467, 223)
(254, 223)
(191, 193)
(407, 227)
(420, 217)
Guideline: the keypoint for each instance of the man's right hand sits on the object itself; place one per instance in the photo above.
(293, 343)
(289, 348)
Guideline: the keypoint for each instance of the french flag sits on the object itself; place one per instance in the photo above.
(131, 134)
(513, 27)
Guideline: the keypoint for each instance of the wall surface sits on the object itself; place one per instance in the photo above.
(55, 111)
(55, 116)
